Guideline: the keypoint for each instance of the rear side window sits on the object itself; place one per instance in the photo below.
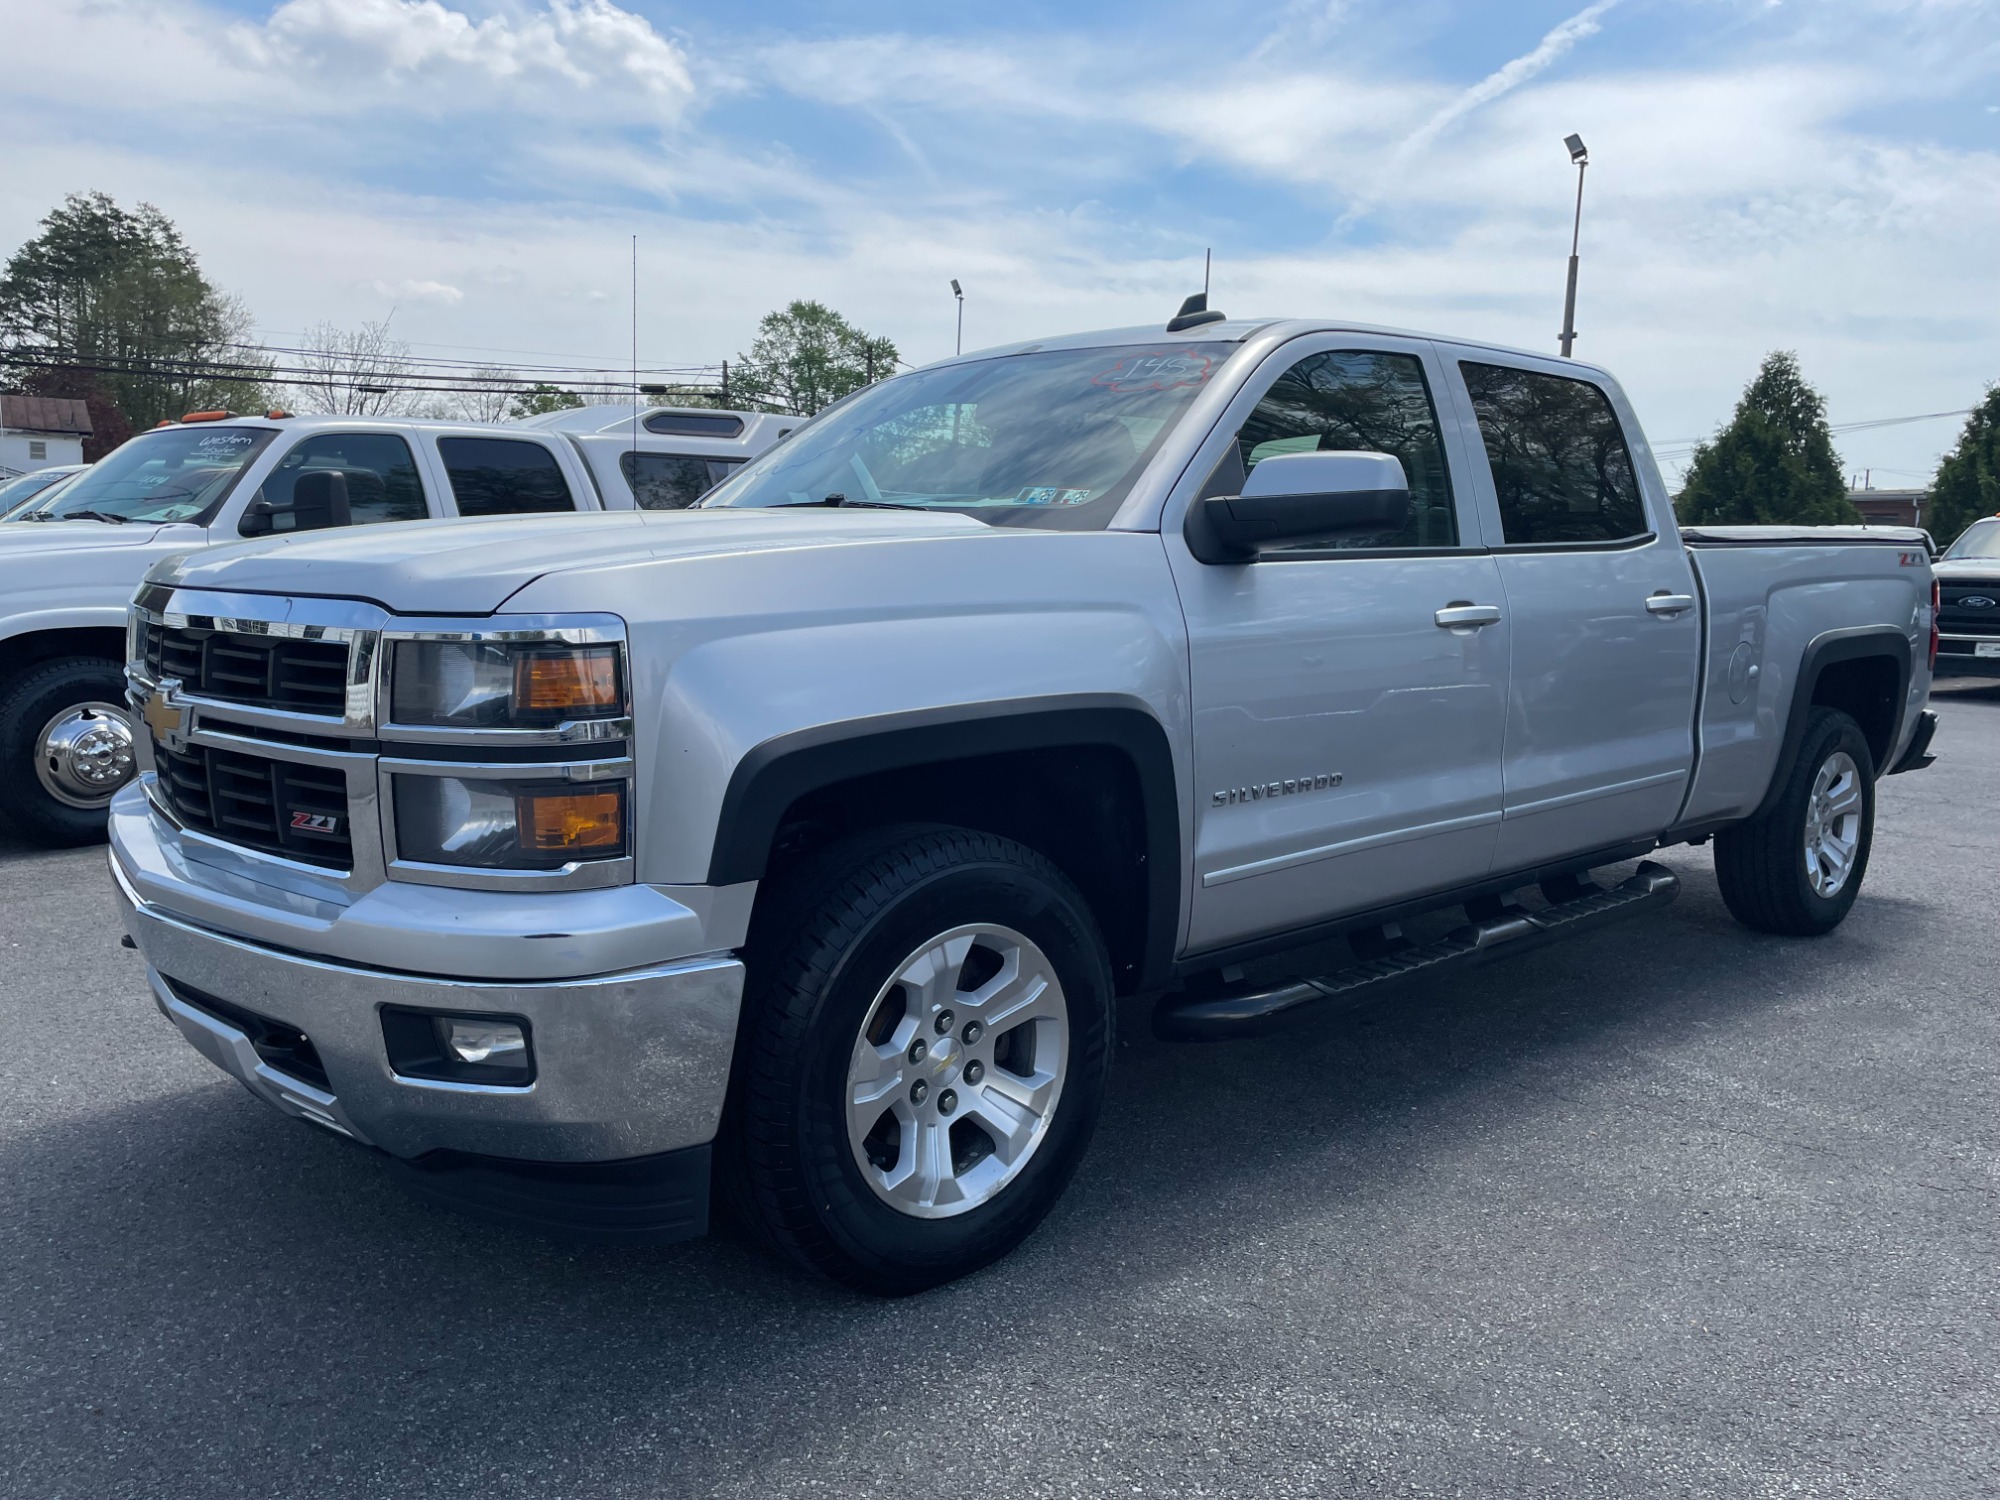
(672, 481)
(1366, 401)
(503, 476)
(381, 474)
(1559, 460)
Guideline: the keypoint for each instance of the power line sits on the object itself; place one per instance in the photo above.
(1680, 444)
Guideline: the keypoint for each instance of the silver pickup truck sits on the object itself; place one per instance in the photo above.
(803, 842)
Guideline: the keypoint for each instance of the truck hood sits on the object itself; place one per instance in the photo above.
(39, 538)
(473, 567)
(1968, 568)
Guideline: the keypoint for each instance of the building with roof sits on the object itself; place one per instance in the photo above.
(1890, 507)
(37, 431)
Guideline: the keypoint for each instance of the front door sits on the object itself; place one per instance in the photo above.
(1347, 737)
(1606, 628)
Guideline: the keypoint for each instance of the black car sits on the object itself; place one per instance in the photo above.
(1969, 603)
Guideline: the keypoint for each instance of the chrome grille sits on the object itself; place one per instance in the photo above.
(262, 671)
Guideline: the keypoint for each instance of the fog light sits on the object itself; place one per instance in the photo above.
(488, 1042)
(494, 1050)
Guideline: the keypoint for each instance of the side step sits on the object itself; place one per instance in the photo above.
(1497, 929)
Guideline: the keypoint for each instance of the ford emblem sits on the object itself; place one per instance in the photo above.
(1974, 601)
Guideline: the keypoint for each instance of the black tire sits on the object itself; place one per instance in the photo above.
(825, 942)
(25, 708)
(1761, 864)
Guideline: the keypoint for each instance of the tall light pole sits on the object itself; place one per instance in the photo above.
(958, 345)
(1581, 156)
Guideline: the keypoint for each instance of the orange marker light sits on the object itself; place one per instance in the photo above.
(565, 822)
(581, 681)
(206, 416)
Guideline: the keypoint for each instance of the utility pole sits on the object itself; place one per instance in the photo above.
(1581, 156)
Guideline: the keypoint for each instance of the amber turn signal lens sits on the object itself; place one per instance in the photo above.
(579, 681)
(559, 822)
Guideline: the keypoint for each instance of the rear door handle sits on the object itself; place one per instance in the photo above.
(1467, 616)
(1669, 604)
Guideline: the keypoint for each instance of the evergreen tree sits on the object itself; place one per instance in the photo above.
(112, 307)
(1967, 485)
(806, 357)
(1774, 463)
(541, 398)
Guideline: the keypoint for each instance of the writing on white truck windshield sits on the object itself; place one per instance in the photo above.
(173, 474)
(1050, 439)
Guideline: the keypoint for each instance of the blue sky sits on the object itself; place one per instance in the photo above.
(1822, 175)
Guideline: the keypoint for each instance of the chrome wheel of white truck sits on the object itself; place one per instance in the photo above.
(923, 1056)
(1796, 868)
(65, 749)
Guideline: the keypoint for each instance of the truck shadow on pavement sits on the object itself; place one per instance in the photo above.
(201, 1298)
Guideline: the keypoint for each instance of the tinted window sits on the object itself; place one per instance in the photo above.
(694, 424)
(672, 481)
(503, 476)
(1559, 460)
(381, 474)
(1356, 401)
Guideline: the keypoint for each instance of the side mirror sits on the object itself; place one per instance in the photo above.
(319, 500)
(1292, 495)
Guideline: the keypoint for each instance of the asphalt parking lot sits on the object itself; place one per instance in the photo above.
(1670, 1210)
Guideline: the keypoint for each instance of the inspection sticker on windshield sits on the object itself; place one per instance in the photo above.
(1049, 494)
(1156, 370)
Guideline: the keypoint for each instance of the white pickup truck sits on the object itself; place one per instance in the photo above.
(67, 571)
(802, 842)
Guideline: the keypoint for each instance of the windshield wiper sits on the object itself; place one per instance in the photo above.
(841, 502)
(87, 515)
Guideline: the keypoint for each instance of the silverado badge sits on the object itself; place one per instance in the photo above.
(166, 718)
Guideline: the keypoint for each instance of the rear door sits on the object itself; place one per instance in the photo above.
(1347, 739)
(1606, 629)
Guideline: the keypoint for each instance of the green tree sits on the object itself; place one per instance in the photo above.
(1774, 462)
(540, 398)
(1967, 485)
(114, 300)
(806, 357)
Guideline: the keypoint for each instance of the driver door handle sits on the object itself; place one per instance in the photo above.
(1467, 616)
(1669, 604)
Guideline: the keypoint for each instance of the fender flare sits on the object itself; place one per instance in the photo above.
(1852, 643)
(774, 774)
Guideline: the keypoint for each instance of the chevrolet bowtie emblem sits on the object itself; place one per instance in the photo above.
(167, 719)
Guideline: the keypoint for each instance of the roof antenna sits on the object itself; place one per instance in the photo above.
(1205, 257)
(1194, 312)
(635, 368)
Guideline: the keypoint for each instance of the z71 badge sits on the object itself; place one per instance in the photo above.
(1318, 782)
(308, 822)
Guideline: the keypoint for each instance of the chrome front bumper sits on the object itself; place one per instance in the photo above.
(628, 1064)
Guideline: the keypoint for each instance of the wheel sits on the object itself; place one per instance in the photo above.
(65, 748)
(923, 1056)
(1797, 868)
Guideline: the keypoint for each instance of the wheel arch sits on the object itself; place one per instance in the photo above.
(1865, 672)
(1081, 778)
(24, 650)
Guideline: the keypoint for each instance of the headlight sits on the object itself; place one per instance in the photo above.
(494, 824)
(504, 685)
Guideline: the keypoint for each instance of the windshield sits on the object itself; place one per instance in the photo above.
(1980, 539)
(17, 492)
(169, 474)
(1048, 440)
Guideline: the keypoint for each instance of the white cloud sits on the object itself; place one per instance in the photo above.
(439, 292)
(581, 43)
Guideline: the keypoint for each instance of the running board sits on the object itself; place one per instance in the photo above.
(1498, 929)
